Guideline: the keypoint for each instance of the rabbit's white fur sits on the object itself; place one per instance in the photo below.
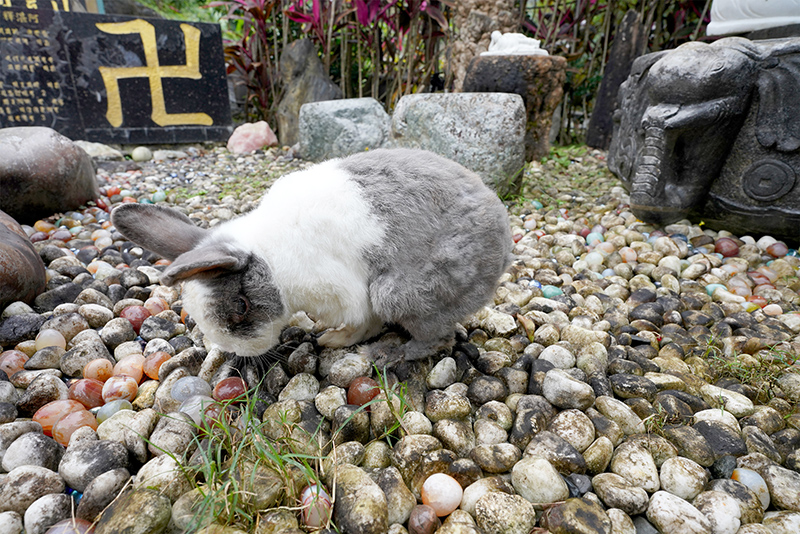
(331, 279)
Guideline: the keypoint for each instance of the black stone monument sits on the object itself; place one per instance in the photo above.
(111, 78)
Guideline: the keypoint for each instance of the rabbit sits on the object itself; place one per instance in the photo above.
(394, 236)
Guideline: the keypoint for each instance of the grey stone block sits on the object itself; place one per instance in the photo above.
(485, 132)
(337, 128)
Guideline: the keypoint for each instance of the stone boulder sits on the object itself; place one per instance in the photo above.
(22, 274)
(42, 173)
(337, 128)
(250, 137)
(485, 132)
(538, 79)
(304, 80)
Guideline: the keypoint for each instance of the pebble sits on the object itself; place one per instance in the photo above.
(603, 330)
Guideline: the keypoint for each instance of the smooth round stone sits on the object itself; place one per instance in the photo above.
(727, 247)
(362, 390)
(537, 480)
(536, 204)
(594, 238)
(153, 362)
(12, 361)
(50, 337)
(189, 386)
(683, 477)
(67, 425)
(88, 392)
(549, 291)
(594, 258)
(159, 196)
(110, 408)
(120, 387)
(196, 407)
(131, 366)
(141, 153)
(100, 369)
(777, 249)
(772, 310)
(442, 493)
(755, 482)
(316, 506)
(50, 413)
(229, 388)
(710, 288)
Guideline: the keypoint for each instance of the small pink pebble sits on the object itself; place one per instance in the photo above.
(316, 504)
(773, 309)
(442, 493)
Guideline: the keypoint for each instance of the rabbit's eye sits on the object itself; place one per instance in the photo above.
(240, 309)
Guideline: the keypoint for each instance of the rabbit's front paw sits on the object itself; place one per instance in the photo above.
(347, 335)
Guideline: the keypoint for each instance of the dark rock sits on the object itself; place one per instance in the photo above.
(757, 441)
(42, 172)
(22, 274)
(486, 388)
(539, 80)
(8, 412)
(722, 439)
(628, 386)
(691, 444)
(158, 327)
(304, 80)
(63, 294)
(723, 466)
(18, 328)
(558, 451)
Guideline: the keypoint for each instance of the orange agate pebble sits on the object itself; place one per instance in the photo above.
(88, 392)
(71, 422)
(153, 363)
(50, 413)
(99, 369)
(131, 366)
(120, 387)
(12, 361)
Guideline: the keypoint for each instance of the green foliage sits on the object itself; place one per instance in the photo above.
(390, 48)
(582, 31)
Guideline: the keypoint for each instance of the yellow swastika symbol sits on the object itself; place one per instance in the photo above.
(154, 72)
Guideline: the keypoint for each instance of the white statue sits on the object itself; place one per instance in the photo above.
(729, 17)
(513, 44)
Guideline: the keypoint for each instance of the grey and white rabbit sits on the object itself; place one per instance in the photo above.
(385, 236)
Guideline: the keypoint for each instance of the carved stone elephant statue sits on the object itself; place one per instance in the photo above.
(712, 131)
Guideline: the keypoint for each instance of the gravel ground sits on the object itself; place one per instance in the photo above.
(626, 379)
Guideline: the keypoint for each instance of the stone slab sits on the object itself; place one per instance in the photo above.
(111, 78)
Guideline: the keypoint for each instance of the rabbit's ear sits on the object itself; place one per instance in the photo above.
(203, 261)
(164, 231)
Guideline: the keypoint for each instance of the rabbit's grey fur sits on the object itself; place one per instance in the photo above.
(386, 236)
